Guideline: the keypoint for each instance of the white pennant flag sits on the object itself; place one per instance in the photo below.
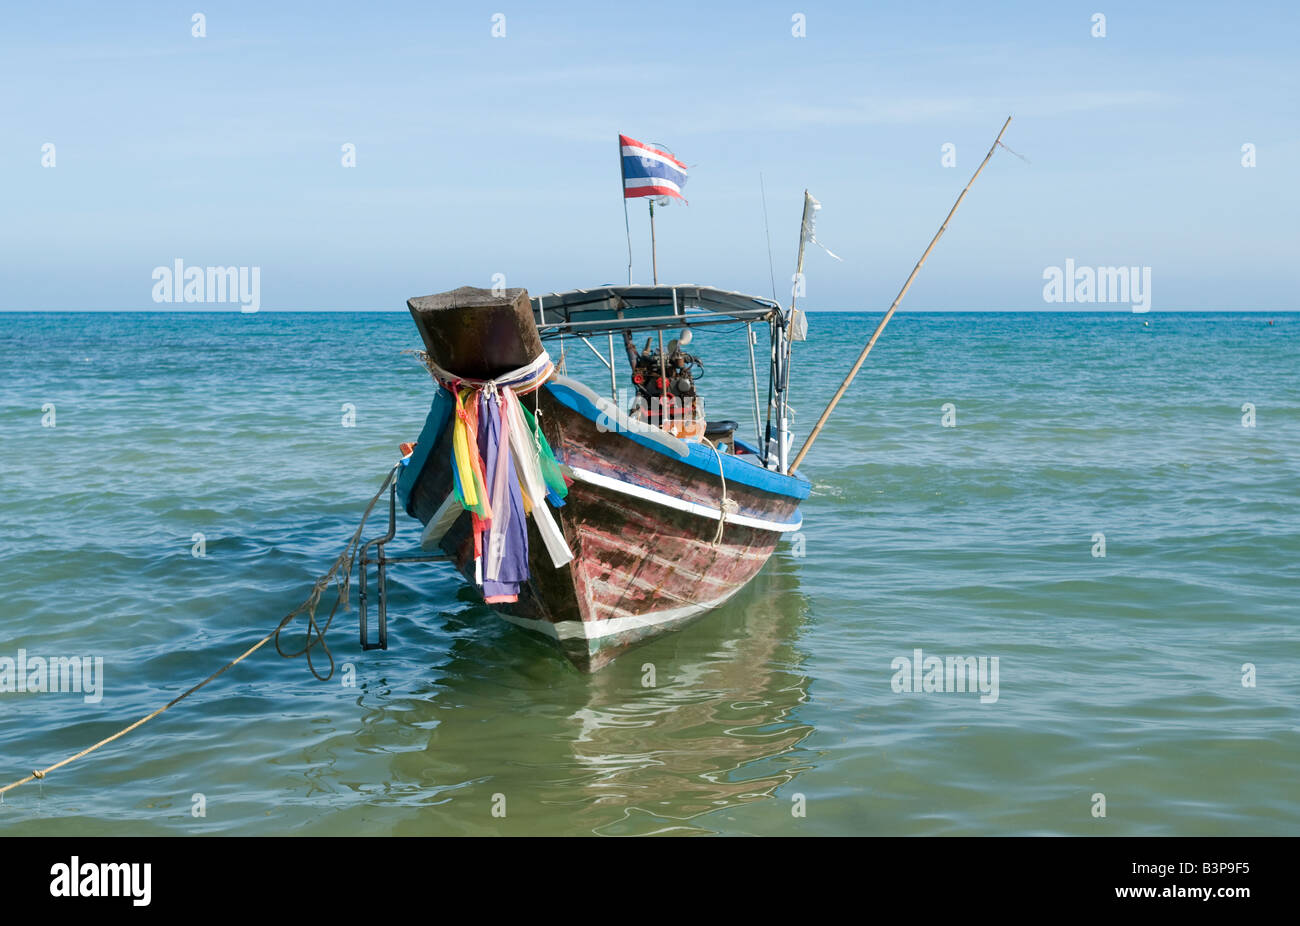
(809, 234)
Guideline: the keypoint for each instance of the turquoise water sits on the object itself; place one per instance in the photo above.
(1119, 675)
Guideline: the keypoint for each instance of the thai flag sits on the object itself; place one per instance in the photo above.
(650, 172)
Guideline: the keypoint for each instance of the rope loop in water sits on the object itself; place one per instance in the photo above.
(315, 637)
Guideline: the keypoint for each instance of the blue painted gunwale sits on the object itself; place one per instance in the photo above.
(742, 470)
(737, 469)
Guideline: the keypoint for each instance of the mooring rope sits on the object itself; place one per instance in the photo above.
(727, 505)
(345, 561)
(315, 637)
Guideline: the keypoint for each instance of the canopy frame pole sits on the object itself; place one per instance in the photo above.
(774, 373)
(753, 373)
(663, 384)
(803, 451)
(613, 373)
(599, 355)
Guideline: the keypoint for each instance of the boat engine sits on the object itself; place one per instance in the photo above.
(665, 386)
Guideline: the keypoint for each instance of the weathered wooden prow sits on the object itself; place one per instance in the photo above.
(477, 333)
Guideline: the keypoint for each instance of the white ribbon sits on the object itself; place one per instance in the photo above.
(526, 456)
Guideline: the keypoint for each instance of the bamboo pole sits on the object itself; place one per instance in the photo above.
(803, 451)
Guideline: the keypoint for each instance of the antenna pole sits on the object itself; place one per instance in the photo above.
(803, 451)
(654, 259)
(771, 271)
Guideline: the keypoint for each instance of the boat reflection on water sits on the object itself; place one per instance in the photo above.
(609, 753)
(718, 727)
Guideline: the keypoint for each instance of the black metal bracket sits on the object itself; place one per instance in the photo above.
(381, 560)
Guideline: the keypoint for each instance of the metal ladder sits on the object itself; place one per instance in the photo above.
(381, 559)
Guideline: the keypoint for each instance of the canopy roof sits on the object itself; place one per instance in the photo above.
(640, 307)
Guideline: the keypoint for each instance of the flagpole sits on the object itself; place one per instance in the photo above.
(626, 225)
(798, 263)
(784, 424)
(654, 259)
(628, 228)
(798, 276)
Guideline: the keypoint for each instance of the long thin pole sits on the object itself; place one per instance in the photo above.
(654, 260)
(771, 270)
(803, 451)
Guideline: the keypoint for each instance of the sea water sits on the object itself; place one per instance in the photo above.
(1047, 583)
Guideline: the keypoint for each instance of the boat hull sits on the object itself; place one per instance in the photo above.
(652, 549)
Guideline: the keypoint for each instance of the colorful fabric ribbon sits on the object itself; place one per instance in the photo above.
(502, 468)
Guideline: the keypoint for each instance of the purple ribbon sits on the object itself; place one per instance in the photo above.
(508, 532)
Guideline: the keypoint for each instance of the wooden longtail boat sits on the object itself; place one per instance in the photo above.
(665, 516)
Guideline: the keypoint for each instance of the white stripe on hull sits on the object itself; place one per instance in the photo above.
(596, 630)
(680, 504)
(450, 509)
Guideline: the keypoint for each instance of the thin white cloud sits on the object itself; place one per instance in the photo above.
(791, 115)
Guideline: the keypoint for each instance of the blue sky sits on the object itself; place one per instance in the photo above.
(479, 155)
